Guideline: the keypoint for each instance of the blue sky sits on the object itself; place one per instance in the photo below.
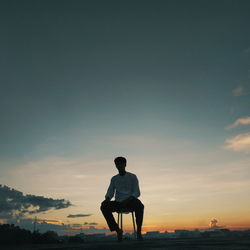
(118, 67)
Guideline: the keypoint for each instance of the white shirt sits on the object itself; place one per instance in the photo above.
(123, 186)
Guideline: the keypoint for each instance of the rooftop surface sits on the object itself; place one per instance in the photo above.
(161, 244)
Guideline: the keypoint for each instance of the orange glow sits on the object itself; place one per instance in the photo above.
(2, 221)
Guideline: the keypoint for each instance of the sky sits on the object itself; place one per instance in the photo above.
(165, 84)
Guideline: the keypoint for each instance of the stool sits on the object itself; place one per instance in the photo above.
(123, 211)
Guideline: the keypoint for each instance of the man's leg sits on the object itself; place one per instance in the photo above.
(107, 207)
(138, 207)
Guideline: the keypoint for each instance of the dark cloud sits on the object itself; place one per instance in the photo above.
(90, 223)
(14, 204)
(78, 215)
(93, 223)
(47, 221)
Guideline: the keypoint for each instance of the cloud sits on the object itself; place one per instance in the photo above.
(239, 143)
(78, 215)
(239, 91)
(90, 223)
(239, 122)
(48, 221)
(14, 204)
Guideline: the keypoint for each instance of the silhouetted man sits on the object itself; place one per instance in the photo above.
(126, 188)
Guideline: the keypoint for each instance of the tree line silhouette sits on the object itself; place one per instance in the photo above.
(11, 234)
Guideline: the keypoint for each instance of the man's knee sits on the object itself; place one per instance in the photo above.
(141, 206)
(138, 204)
(105, 205)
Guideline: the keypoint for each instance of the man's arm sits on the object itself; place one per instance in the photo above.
(136, 190)
(111, 190)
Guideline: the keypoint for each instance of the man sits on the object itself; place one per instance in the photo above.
(126, 188)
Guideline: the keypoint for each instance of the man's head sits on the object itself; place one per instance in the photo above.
(120, 163)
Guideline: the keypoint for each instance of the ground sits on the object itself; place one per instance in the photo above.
(162, 244)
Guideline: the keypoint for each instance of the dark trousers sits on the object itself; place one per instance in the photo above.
(108, 207)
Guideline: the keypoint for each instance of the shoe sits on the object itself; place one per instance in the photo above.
(139, 237)
(119, 235)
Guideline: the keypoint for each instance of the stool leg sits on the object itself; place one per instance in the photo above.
(118, 219)
(133, 219)
(121, 221)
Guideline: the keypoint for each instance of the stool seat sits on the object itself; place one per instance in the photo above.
(126, 211)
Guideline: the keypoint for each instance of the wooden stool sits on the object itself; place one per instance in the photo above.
(124, 211)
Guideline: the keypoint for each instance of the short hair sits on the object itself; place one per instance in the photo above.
(120, 159)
